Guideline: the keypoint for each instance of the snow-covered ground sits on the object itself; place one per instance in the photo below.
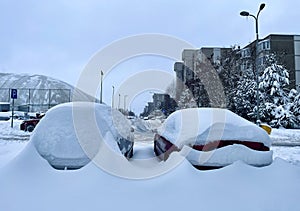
(29, 183)
(12, 140)
(286, 142)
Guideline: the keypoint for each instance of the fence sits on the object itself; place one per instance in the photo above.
(36, 100)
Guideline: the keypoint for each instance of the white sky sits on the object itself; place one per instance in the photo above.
(57, 38)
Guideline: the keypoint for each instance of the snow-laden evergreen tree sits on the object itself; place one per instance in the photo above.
(187, 100)
(295, 105)
(245, 98)
(275, 103)
(274, 81)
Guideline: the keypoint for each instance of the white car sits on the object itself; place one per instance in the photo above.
(212, 138)
(71, 134)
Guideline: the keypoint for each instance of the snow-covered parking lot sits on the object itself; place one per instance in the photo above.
(29, 183)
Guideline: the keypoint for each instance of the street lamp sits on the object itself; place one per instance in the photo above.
(119, 101)
(113, 97)
(101, 82)
(255, 67)
(125, 102)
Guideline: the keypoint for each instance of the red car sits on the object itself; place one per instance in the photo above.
(29, 124)
(213, 138)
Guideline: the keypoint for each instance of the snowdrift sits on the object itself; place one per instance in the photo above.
(29, 183)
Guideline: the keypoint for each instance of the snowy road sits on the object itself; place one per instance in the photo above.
(285, 137)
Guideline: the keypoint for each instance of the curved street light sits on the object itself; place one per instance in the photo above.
(256, 69)
(245, 13)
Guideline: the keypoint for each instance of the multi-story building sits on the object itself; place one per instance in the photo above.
(287, 51)
(285, 47)
(161, 102)
(185, 70)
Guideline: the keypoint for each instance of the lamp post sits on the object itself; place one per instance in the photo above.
(119, 101)
(255, 67)
(113, 97)
(125, 96)
(101, 87)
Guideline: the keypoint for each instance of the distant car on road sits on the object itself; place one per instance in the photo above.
(30, 124)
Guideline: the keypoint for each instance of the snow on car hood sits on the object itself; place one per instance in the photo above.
(204, 125)
(76, 131)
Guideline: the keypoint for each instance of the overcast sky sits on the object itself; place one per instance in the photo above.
(58, 38)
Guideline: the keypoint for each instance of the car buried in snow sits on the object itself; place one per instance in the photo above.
(211, 138)
(72, 134)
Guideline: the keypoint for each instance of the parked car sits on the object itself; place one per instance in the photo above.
(213, 138)
(4, 116)
(30, 124)
(71, 134)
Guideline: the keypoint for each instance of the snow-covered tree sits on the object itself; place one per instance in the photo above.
(275, 105)
(187, 100)
(245, 98)
(295, 105)
(273, 84)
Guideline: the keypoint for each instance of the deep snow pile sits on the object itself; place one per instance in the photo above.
(12, 140)
(290, 154)
(285, 137)
(30, 183)
(71, 134)
(141, 125)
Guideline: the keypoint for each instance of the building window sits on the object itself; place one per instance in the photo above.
(264, 45)
(246, 53)
(261, 60)
(246, 65)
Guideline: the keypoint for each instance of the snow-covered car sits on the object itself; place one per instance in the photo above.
(212, 138)
(4, 116)
(71, 134)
